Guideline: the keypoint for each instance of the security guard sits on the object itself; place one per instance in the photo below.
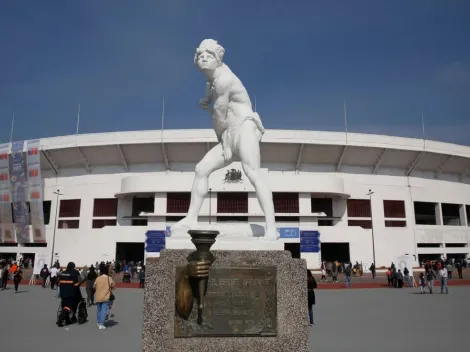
(69, 282)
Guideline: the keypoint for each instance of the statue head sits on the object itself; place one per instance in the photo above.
(209, 55)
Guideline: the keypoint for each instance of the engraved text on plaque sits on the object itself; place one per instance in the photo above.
(240, 301)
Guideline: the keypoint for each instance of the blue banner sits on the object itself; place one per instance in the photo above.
(155, 241)
(19, 189)
(288, 232)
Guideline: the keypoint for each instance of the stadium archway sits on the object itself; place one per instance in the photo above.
(294, 248)
(331, 251)
(128, 251)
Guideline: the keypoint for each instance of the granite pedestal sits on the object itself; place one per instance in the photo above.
(292, 309)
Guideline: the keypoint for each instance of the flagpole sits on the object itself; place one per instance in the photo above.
(163, 113)
(12, 126)
(255, 104)
(422, 125)
(78, 118)
(345, 121)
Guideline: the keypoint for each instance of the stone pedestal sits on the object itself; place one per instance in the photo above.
(292, 309)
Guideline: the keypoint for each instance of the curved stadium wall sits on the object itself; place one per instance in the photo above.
(389, 194)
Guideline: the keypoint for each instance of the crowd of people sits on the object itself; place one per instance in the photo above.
(98, 281)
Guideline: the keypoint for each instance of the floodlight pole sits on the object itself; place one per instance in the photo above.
(56, 222)
(372, 225)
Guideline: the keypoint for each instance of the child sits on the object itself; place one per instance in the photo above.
(422, 282)
(323, 274)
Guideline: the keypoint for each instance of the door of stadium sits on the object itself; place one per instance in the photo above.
(130, 251)
(294, 248)
(331, 251)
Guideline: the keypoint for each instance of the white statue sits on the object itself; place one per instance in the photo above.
(239, 130)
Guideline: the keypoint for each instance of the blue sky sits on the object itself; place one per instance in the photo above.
(302, 59)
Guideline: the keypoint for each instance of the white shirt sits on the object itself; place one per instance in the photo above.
(53, 272)
(443, 273)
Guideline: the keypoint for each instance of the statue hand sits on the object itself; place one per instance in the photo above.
(204, 103)
(199, 270)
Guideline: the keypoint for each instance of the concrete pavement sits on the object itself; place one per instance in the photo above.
(368, 320)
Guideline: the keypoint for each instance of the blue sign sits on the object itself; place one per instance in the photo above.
(309, 248)
(155, 241)
(309, 234)
(310, 241)
(289, 232)
(168, 231)
(154, 248)
(155, 234)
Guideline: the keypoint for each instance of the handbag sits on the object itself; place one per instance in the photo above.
(112, 297)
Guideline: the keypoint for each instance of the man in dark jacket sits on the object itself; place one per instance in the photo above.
(70, 294)
(44, 274)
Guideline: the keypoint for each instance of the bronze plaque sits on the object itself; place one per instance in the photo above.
(240, 301)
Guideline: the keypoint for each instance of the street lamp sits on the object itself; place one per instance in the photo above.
(55, 223)
(210, 205)
(372, 224)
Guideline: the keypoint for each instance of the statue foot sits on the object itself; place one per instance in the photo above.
(271, 235)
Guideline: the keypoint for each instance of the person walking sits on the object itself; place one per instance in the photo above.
(422, 283)
(430, 276)
(17, 277)
(54, 272)
(347, 273)
(372, 270)
(458, 266)
(444, 275)
(4, 275)
(44, 275)
(311, 286)
(104, 286)
(142, 276)
(90, 281)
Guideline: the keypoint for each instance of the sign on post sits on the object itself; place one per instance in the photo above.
(288, 232)
(310, 242)
(155, 241)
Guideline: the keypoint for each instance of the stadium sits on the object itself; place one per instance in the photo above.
(371, 197)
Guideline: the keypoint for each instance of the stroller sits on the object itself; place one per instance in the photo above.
(64, 314)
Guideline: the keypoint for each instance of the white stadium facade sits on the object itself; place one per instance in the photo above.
(367, 195)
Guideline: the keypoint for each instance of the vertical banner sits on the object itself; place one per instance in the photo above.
(7, 233)
(19, 190)
(33, 165)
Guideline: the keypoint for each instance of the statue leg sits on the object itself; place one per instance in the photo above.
(249, 151)
(212, 161)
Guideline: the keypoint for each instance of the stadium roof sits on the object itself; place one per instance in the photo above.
(173, 147)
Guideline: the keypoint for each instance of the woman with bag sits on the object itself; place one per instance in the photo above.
(103, 286)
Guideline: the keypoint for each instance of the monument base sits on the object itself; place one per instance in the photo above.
(292, 309)
(245, 230)
(228, 243)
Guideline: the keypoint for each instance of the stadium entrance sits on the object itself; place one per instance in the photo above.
(128, 251)
(294, 248)
(331, 251)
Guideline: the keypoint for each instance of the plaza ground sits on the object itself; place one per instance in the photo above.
(367, 320)
(364, 281)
